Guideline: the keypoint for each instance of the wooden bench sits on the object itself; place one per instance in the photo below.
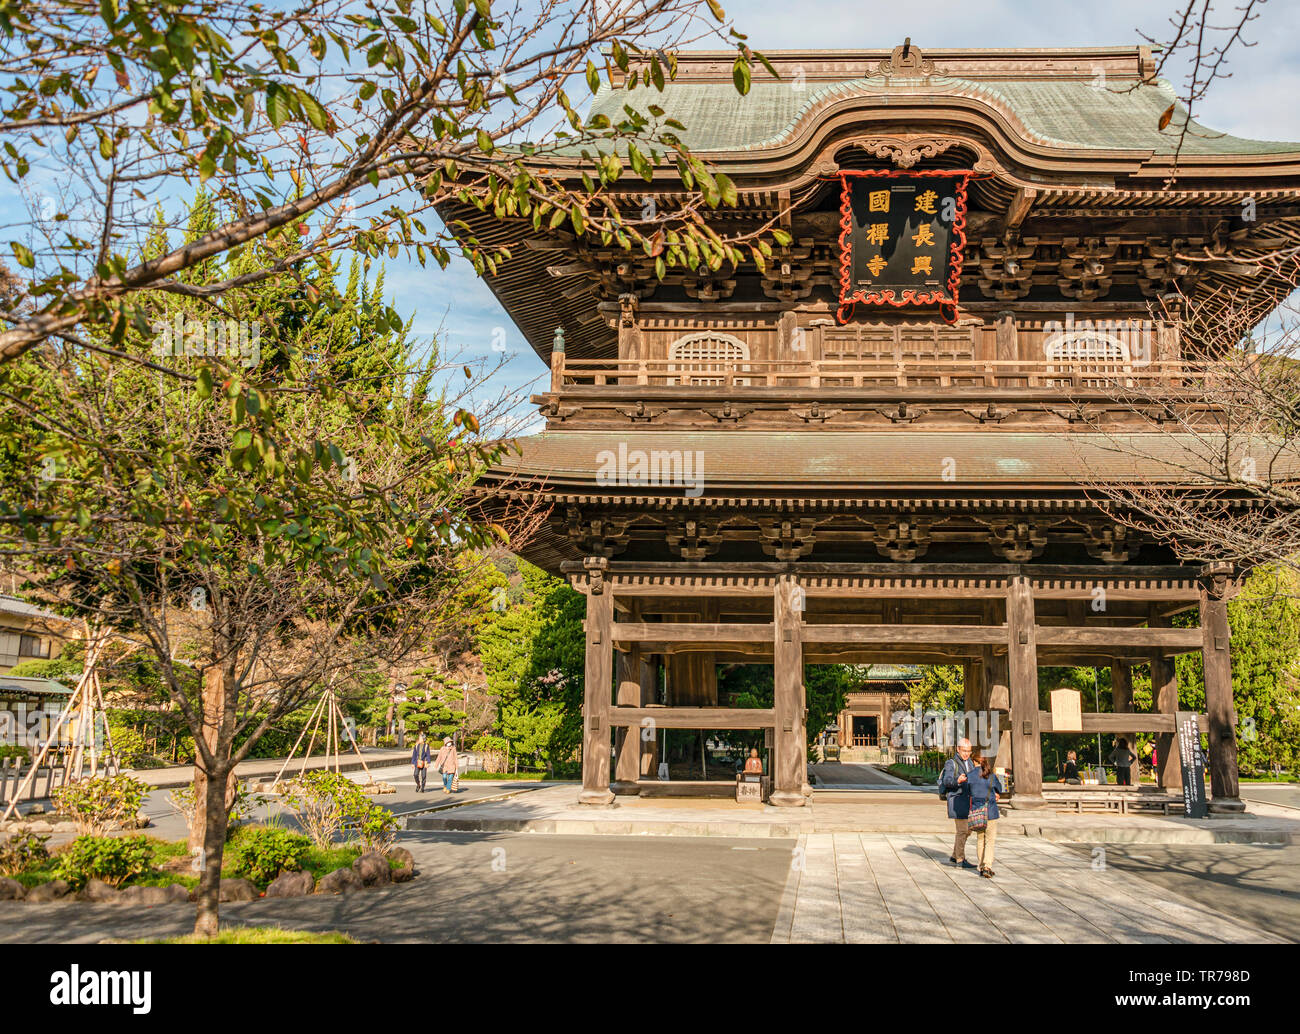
(1122, 799)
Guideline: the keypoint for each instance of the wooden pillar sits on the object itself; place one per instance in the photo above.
(1022, 669)
(597, 683)
(791, 763)
(1164, 700)
(1219, 706)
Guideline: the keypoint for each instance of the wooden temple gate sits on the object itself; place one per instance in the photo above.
(893, 440)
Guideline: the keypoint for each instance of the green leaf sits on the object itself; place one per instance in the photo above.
(740, 75)
(311, 107)
(718, 13)
(277, 104)
(203, 383)
(23, 255)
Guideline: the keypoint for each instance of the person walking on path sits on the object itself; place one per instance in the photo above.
(954, 788)
(446, 764)
(1123, 759)
(421, 758)
(983, 812)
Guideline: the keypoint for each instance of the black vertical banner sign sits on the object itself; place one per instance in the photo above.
(1192, 761)
(901, 239)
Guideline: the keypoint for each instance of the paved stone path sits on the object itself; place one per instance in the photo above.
(871, 888)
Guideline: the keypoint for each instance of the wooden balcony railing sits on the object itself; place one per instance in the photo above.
(871, 373)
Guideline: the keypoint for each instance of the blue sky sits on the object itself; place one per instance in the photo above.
(1258, 100)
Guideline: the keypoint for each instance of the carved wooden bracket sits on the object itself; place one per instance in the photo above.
(906, 151)
(902, 413)
(596, 536)
(788, 540)
(595, 567)
(640, 414)
(815, 414)
(728, 412)
(990, 414)
(902, 540)
(696, 539)
(1111, 543)
(1016, 541)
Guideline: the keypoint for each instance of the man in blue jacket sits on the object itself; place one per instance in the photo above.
(954, 789)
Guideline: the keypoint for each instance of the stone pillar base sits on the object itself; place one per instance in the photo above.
(623, 788)
(1027, 802)
(596, 798)
(787, 799)
(1227, 805)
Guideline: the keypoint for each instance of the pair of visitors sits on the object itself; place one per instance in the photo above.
(1070, 770)
(970, 787)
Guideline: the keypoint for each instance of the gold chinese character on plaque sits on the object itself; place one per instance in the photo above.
(876, 264)
(923, 236)
(878, 201)
(877, 233)
(921, 264)
(925, 202)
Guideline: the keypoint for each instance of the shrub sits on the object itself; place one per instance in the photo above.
(15, 750)
(377, 829)
(933, 759)
(23, 851)
(95, 805)
(261, 853)
(111, 859)
(325, 802)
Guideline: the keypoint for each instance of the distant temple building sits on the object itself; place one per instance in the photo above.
(884, 446)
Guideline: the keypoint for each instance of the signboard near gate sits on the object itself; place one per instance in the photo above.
(1192, 760)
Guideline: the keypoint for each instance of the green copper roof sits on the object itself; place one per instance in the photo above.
(1073, 113)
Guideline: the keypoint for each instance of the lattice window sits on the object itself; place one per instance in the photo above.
(1098, 359)
(702, 358)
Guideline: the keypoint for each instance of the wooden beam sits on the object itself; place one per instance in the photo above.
(693, 717)
(690, 632)
(943, 635)
(1177, 638)
(1107, 722)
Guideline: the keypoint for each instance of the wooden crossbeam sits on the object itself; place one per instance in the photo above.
(690, 632)
(1054, 635)
(694, 717)
(1095, 721)
(905, 634)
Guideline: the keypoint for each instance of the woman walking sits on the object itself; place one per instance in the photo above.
(983, 822)
(446, 764)
(421, 757)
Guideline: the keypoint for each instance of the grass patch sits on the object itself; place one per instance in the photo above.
(914, 774)
(321, 860)
(505, 777)
(258, 935)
